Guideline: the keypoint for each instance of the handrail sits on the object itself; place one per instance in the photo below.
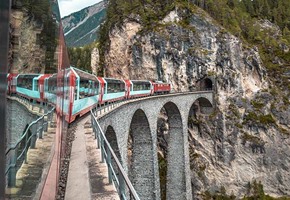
(102, 141)
(24, 134)
(35, 127)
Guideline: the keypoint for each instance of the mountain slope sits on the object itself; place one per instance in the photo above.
(243, 144)
(80, 28)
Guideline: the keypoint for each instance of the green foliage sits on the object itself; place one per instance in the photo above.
(241, 19)
(263, 119)
(238, 17)
(257, 105)
(163, 175)
(250, 138)
(82, 31)
(234, 110)
(255, 192)
(219, 195)
(80, 57)
(266, 119)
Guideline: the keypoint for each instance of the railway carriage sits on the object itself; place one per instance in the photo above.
(31, 86)
(138, 88)
(50, 88)
(74, 92)
(84, 92)
(161, 88)
(111, 90)
(11, 83)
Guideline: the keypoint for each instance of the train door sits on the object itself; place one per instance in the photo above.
(41, 86)
(127, 88)
(101, 90)
(72, 93)
(151, 88)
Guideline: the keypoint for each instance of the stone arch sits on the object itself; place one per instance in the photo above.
(175, 176)
(141, 160)
(203, 105)
(197, 115)
(112, 139)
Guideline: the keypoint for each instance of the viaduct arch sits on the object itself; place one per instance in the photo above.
(135, 128)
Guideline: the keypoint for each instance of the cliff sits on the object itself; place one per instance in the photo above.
(33, 34)
(246, 138)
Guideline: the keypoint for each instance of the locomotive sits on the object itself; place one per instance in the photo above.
(81, 91)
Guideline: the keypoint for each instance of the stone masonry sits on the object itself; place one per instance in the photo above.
(139, 119)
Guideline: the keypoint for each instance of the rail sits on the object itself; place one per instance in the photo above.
(17, 151)
(119, 177)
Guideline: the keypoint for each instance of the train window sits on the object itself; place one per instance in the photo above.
(35, 82)
(25, 81)
(115, 85)
(52, 84)
(95, 88)
(76, 90)
(141, 85)
(88, 88)
(84, 88)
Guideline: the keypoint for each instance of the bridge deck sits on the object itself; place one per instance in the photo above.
(87, 176)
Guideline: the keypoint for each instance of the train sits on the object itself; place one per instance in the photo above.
(80, 90)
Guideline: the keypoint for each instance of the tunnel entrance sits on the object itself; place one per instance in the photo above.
(205, 84)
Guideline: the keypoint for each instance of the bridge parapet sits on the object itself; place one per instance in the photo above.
(116, 172)
(17, 153)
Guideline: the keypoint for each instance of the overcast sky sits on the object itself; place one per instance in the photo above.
(69, 6)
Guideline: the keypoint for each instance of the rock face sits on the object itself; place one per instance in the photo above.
(94, 60)
(246, 138)
(26, 55)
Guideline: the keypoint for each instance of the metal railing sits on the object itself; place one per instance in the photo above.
(116, 174)
(17, 153)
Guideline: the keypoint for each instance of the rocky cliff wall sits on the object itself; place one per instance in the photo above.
(26, 55)
(247, 137)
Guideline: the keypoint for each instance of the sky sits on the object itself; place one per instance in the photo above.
(70, 6)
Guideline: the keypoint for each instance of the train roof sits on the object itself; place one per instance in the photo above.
(84, 74)
(140, 80)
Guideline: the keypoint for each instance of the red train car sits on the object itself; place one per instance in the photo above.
(161, 88)
(11, 83)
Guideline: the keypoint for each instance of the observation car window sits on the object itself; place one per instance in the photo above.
(76, 90)
(35, 85)
(114, 86)
(88, 88)
(52, 85)
(141, 85)
(25, 81)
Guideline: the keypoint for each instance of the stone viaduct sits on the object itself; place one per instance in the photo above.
(138, 120)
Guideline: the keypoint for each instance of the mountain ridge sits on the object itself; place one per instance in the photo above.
(84, 25)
